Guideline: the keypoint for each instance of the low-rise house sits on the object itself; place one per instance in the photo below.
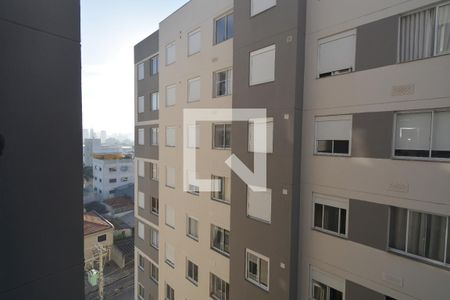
(123, 251)
(118, 206)
(121, 229)
(97, 231)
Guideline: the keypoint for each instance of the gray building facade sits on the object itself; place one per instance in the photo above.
(41, 209)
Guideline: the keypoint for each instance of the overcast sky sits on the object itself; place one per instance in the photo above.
(109, 30)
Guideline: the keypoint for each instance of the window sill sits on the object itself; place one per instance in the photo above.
(264, 288)
(221, 96)
(192, 281)
(421, 159)
(192, 237)
(260, 83)
(155, 213)
(170, 264)
(420, 259)
(154, 247)
(262, 12)
(141, 268)
(332, 154)
(259, 220)
(221, 252)
(154, 280)
(221, 201)
(331, 233)
(193, 193)
(220, 148)
(170, 226)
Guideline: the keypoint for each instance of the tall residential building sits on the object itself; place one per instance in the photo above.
(41, 207)
(358, 121)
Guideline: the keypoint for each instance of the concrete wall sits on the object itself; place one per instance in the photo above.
(282, 25)
(370, 175)
(40, 107)
(91, 241)
(195, 14)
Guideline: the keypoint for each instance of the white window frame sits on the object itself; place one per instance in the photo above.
(228, 82)
(224, 125)
(141, 200)
(218, 250)
(154, 267)
(337, 202)
(151, 64)
(154, 238)
(141, 259)
(228, 37)
(188, 218)
(141, 231)
(190, 141)
(259, 257)
(175, 177)
(169, 45)
(329, 280)
(261, 51)
(435, 31)
(169, 213)
(165, 292)
(141, 104)
(166, 259)
(141, 136)
(155, 171)
(192, 280)
(171, 129)
(418, 257)
(333, 118)
(251, 135)
(141, 168)
(154, 131)
(249, 190)
(154, 99)
(189, 35)
(189, 82)
(169, 87)
(156, 213)
(334, 37)
(223, 179)
(140, 71)
(394, 136)
(141, 288)
(255, 13)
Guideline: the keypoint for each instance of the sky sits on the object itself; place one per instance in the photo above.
(109, 31)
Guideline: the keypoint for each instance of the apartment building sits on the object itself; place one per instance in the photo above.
(358, 139)
(374, 186)
(41, 151)
(111, 171)
(147, 168)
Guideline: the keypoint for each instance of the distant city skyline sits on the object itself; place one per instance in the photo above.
(109, 31)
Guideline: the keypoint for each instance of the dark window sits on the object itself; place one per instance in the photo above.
(101, 238)
(220, 239)
(155, 205)
(332, 146)
(154, 65)
(330, 218)
(192, 271)
(224, 28)
(222, 136)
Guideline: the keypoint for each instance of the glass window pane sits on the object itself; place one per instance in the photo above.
(343, 225)
(441, 136)
(319, 291)
(264, 273)
(318, 208)
(331, 218)
(227, 136)
(252, 266)
(426, 235)
(335, 294)
(448, 241)
(443, 34)
(230, 26)
(219, 136)
(413, 134)
(325, 146)
(341, 147)
(397, 230)
(220, 30)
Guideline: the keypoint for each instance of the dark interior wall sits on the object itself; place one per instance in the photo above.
(41, 166)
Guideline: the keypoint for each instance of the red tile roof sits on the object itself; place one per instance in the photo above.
(93, 222)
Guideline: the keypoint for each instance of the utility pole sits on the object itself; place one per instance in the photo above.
(102, 251)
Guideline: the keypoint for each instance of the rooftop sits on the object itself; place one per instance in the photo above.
(93, 223)
(120, 203)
